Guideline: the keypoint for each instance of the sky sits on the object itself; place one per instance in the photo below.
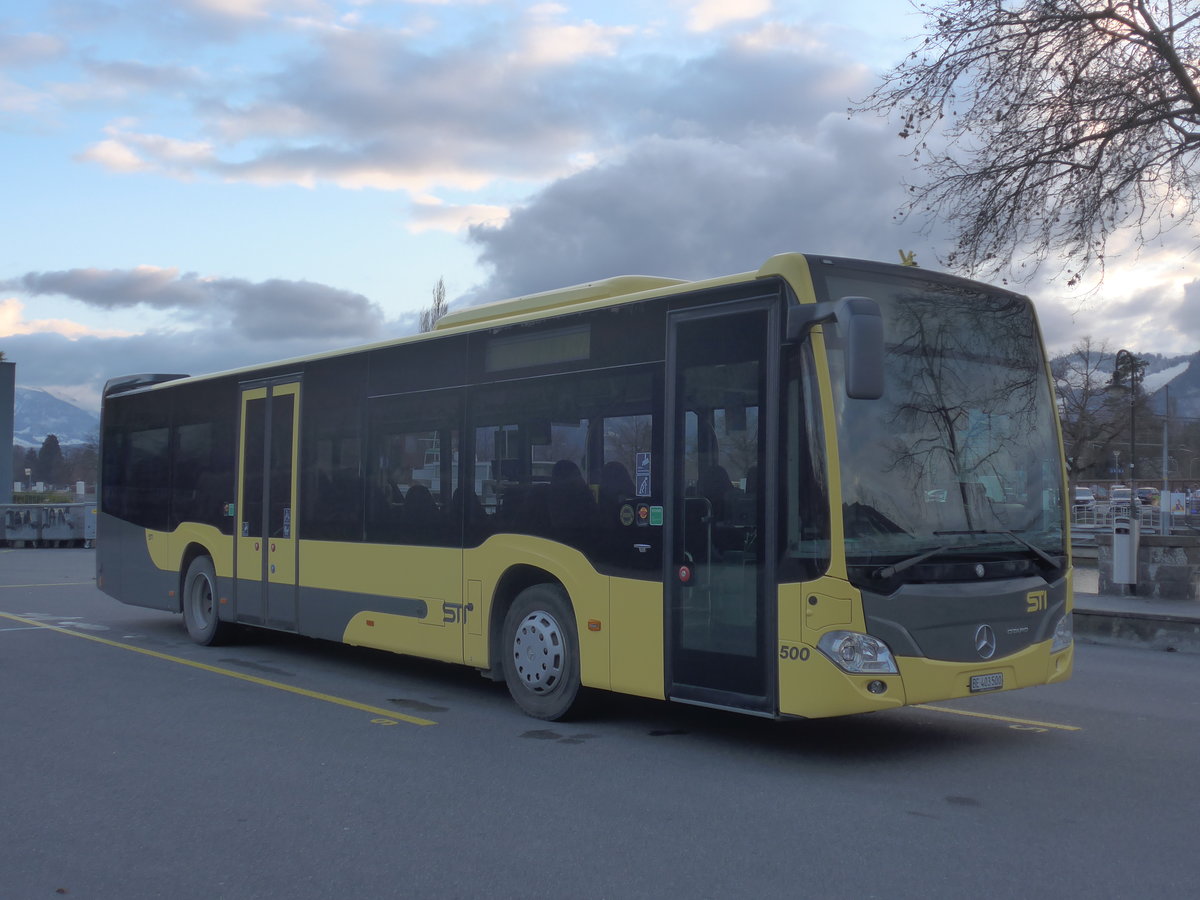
(195, 185)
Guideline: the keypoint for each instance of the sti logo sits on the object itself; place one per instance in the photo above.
(1035, 601)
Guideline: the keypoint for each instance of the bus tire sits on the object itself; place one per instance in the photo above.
(540, 650)
(200, 604)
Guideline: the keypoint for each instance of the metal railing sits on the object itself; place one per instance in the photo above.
(1087, 519)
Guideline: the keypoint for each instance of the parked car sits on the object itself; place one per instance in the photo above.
(1085, 498)
(1121, 502)
(1147, 496)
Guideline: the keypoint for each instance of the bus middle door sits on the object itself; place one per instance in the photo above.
(266, 544)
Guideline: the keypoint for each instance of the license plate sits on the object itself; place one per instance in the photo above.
(992, 682)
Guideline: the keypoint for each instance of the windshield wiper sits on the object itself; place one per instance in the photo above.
(895, 568)
(889, 571)
(1041, 554)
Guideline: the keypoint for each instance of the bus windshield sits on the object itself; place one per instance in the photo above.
(960, 459)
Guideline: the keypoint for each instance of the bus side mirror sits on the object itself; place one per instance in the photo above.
(861, 325)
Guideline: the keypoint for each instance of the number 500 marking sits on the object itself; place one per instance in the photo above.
(786, 652)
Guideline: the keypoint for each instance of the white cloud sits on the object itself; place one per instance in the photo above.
(547, 43)
(782, 36)
(127, 151)
(114, 156)
(433, 215)
(710, 15)
(237, 8)
(13, 322)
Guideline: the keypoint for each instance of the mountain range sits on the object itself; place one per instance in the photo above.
(1176, 379)
(37, 413)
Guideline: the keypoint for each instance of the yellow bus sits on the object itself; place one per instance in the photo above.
(825, 487)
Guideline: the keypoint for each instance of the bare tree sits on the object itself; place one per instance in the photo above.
(430, 314)
(1044, 126)
(1093, 403)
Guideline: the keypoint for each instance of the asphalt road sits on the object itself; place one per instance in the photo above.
(135, 764)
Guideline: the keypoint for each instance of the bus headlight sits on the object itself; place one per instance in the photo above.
(1064, 634)
(860, 654)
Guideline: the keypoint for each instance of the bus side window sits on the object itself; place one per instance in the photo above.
(411, 500)
(412, 477)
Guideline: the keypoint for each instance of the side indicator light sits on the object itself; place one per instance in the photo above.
(593, 624)
(370, 623)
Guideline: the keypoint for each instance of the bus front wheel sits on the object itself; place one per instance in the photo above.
(541, 652)
(200, 604)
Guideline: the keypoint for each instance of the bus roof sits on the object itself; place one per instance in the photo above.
(548, 301)
(615, 290)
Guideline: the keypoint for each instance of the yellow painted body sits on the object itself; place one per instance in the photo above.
(810, 685)
(431, 574)
(619, 621)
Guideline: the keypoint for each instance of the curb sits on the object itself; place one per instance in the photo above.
(1146, 630)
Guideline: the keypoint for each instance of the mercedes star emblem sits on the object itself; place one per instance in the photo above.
(985, 641)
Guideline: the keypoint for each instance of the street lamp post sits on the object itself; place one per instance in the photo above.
(1131, 360)
(1131, 547)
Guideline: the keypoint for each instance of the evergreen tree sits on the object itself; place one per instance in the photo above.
(49, 467)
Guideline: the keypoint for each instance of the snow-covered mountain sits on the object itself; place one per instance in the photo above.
(1178, 377)
(1175, 376)
(37, 413)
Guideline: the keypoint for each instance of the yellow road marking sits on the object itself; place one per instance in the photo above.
(253, 679)
(978, 715)
(48, 584)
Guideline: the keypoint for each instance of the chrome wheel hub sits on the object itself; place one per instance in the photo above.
(202, 599)
(538, 652)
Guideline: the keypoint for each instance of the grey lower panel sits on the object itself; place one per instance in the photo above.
(326, 613)
(125, 571)
(945, 621)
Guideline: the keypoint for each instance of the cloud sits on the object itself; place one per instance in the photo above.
(281, 310)
(18, 99)
(114, 81)
(86, 363)
(237, 323)
(365, 109)
(29, 49)
(13, 322)
(546, 42)
(522, 103)
(115, 288)
(236, 9)
(267, 311)
(698, 207)
(434, 215)
(709, 15)
(127, 151)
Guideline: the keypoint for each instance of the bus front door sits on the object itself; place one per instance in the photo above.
(719, 512)
(266, 511)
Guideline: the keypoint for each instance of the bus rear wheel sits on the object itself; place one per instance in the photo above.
(200, 604)
(541, 652)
